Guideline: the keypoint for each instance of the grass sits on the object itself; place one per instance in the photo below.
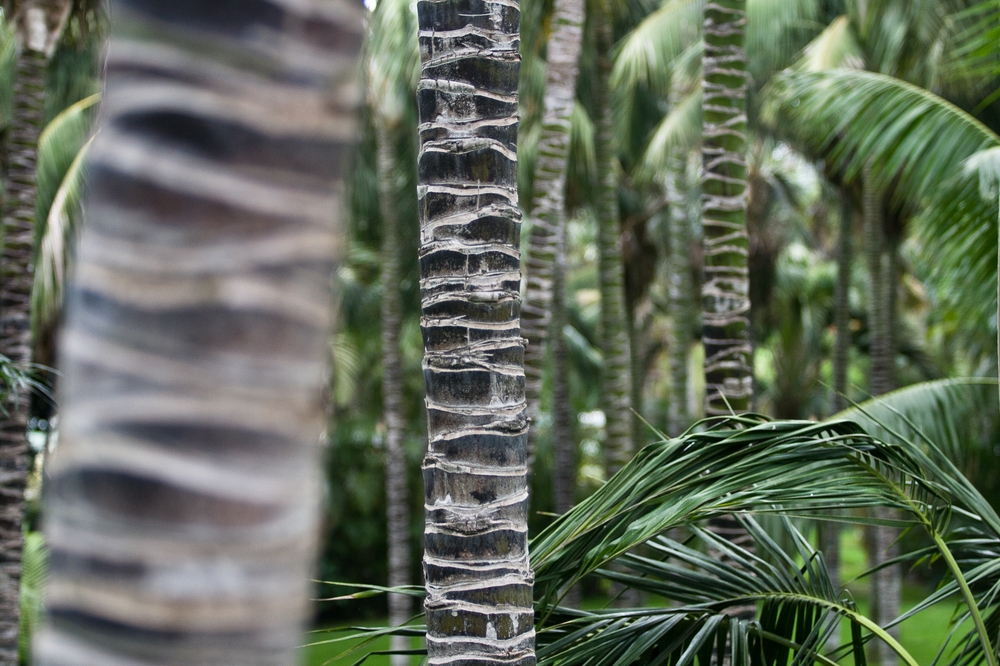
(921, 635)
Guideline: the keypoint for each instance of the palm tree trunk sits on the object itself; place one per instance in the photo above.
(396, 495)
(842, 306)
(183, 501)
(547, 222)
(564, 447)
(616, 384)
(479, 600)
(725, 293)
(680, 294)
(16, 277)
(882, 269)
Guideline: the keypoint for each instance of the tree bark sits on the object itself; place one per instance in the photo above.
(183, 503)
(886, 584)
(680, 292)
(616, 384)
(396, 493)
(563, 444)
(547, 221)
(725, 293)
(479, 600)
(16, 276)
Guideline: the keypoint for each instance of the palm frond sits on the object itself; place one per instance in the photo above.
(679, 131)
(836, 47)
(777, 30)
(646, 55)
(62, 224)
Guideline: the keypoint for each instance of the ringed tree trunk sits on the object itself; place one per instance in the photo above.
(617, 382)
(886, 584)
(725, 292)
(39, 26)
(548, 215)
(396, 492)
(679, 286)
(479, 599)
(183, 502)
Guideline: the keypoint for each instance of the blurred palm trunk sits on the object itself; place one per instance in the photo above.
(882, 261)
(679, 285)
(396, 495)
(548, 215)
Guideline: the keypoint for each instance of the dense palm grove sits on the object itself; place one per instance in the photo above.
(762, 212)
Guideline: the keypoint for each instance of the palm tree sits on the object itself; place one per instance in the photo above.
(183, 499)
(38, 28)
(726, 291)
(616, 380)
(548, 210)
(393, 68)
(478, 605)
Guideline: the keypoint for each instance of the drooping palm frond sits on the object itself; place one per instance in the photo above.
(679, 131)
(918, 145)
(976, 52)
(62, 150)
(836, 47)
(799, 607)
(646, 55)
(957, 415)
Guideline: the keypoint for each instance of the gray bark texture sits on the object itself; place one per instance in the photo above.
(680, 291)
(548, 222)
(479, 601)
(615, 345)
(183, 501)
(886, 584)
(725, 292)
(396, 492)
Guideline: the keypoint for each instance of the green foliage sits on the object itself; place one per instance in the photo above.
(34, 570)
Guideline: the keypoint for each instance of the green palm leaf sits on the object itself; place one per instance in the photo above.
(678, 132)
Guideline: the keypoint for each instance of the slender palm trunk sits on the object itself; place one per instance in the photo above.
(829, 530)
(183, 501)
(882, 269)
(547, 222)
(842, 306)
(479, 601)
(564, 447)
(616, 384)
(16, 277)
(680, 292)
(396, 495)
(725, 293)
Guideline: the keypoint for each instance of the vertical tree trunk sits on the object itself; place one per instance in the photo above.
(396, 495)
(680, 294)
(16, 276)
(183, 504)
(479, 602)
(842, 305)
(882, 269)
(725, 293)
(616, 384)
(547, 222)
(564, 447)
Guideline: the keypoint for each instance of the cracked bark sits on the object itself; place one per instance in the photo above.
(725, 292)
(479, 601)
(183, 502)
(547, 222)
(396, 492)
